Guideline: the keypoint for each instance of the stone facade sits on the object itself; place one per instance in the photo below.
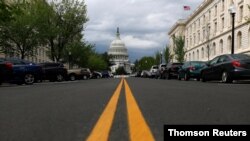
(208, 30)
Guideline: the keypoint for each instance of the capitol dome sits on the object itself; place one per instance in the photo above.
(118, 50)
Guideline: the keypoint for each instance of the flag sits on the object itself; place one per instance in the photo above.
(186, 7)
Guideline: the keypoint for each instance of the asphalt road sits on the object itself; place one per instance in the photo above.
(69, 111)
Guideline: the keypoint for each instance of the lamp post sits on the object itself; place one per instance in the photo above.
(232, 11)
(69, 59)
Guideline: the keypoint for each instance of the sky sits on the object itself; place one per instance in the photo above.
(143, 24)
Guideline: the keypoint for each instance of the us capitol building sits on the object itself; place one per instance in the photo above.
(119, 55)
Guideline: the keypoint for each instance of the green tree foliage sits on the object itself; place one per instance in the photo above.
(62, 23)
(179, 48)
(96, 62)
(6, 12)
(19, 35)
(77, 53)
(157, 57)
(120, 71)
(146, 62)
(167, 55)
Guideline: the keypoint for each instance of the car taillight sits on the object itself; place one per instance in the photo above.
(236, 64)
(9, 65)
(192, 68)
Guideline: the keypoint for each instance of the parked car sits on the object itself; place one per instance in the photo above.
(82, 73)
(227, 68)
(172, 70)
(19, 71)
(162, 67)
(54, 71)
(96, 75)
(106, 74)
(146, 74)
(154, 71)
(191, 69)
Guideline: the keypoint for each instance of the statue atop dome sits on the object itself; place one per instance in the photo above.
(117, 33)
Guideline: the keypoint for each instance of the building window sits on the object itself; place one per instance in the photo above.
(222, 23)
(189, 56)
(215, 10)
(190, 41)
(208, 32)
(209, 15)
(204, 34)
(194, 40)
(241, 14)
(204, 19)
(239, 40)
(215, 28)
(198, 55)
(214, 49)
(221, 46)
(199, 37)
(202, 53)
(199, 23)
(193, 56)
(222, 5)
(229, 43)
(208, 51)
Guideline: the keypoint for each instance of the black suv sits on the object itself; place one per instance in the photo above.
(172, 70)
(54, 71)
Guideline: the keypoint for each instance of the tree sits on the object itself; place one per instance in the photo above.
(96, 62)
(6, 12)
(179, 48)
(19, 35)
(120, 71)
(61, 24)
(146, 62)
(158, 57)
(78, 53)
(167, 56)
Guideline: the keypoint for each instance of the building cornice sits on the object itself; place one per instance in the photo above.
(200, 8)
(180, 22)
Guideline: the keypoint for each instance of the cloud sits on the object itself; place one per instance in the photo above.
(144, 24)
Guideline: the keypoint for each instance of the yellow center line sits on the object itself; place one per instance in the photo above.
(138, 128)
(102, 128)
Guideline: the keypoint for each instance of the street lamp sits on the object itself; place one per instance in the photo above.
(69, 59)
(232, 11)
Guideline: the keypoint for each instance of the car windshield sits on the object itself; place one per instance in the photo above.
(240, 56)
(177, 64)
(199, 64)
(163, 65)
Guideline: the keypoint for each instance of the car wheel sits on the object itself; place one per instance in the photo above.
(72, 77)
(179, 77)
(225, 77)
(198, 78)
(186, 77)
(85, 77)
(168, 76)
(203, 79)
(59, 77)
(29, 79)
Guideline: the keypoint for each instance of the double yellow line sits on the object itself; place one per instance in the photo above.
(138, 128)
